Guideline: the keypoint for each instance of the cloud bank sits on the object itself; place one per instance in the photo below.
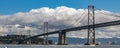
(58, 18)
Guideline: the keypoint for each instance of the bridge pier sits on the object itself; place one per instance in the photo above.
(62, 38)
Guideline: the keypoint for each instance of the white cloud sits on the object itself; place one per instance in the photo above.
(61, 17)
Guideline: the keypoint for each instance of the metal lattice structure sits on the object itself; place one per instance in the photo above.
(91, 29)
(46, 31)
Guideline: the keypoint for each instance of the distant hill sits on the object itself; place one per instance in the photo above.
(82, 41)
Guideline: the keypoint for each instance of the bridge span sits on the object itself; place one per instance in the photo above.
(91, 29)
(62, 33)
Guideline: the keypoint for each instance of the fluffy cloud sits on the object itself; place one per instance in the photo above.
(59, 18)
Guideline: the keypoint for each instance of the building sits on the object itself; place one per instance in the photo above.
(14, 39)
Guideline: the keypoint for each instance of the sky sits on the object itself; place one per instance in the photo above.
(13, 6)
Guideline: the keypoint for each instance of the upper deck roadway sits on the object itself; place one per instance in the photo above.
(112, 23)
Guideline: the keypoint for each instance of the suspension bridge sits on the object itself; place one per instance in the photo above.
(91, 29)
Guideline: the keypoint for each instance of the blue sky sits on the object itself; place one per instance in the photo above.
(14, 6)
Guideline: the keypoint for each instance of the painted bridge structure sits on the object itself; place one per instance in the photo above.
(91, 29)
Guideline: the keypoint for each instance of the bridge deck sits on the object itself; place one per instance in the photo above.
(112, 23)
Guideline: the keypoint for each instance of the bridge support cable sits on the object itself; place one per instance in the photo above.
(81, 21)
(108, 14)
(62, 38)
(91, 29)
(80, 18)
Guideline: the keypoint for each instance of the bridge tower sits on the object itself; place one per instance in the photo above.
(28, 34)
(45, 31)
(91, 29)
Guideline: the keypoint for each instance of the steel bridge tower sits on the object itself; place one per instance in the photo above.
(91, 27)
(45, 31)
